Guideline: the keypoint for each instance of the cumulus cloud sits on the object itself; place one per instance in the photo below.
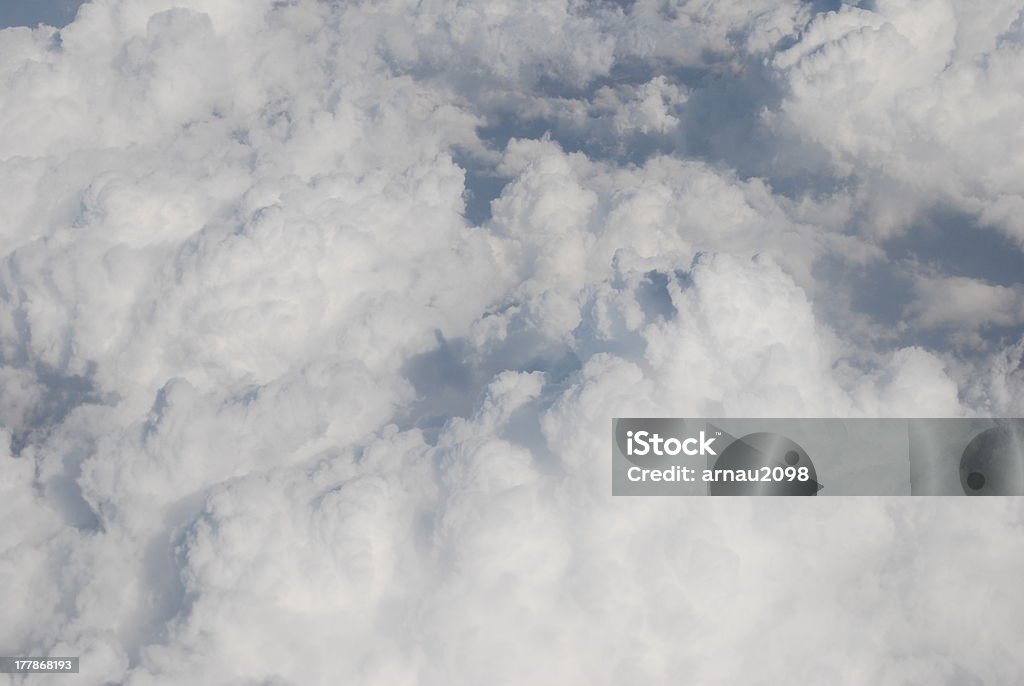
(278, 405)
(916, 103)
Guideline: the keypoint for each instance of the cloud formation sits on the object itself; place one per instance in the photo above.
(916, 102)
(278, 406)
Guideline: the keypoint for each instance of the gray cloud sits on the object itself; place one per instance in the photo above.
(962, 302)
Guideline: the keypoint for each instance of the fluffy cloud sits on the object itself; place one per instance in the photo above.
(274, 409)
(917, 103)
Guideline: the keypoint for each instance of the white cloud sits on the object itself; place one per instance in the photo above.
(272, 410)
(917, 104)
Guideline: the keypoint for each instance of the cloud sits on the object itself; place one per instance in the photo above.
(915, 103)
(968, 303)
(274, 409)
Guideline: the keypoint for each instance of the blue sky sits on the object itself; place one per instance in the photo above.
(33, 12)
